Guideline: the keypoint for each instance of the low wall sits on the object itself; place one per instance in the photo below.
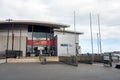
(85, 59)
(23, 60)
(115, 59)
(2, 54)
(71, 60)
(31, 59)
(98, 58)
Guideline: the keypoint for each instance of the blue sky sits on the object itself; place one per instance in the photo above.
(61, 11)
(108, 45)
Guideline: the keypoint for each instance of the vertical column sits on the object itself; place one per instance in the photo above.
(12, 37)
(20, 42)
(32, 37)
(46, 48)
(50, 38)
(63, 31)
(7, 41)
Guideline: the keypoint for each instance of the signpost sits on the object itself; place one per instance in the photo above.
(107, 60)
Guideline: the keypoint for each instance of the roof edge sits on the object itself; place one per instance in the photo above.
(60, 25)
(68, 31)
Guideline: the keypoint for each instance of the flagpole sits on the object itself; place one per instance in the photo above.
(75, 26)
(91, 38)
(76, 63)
(99, 33)
(98, 45)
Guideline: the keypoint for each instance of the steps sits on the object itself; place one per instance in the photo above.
(31, 59)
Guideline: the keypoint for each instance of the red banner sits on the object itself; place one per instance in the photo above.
(40, 42)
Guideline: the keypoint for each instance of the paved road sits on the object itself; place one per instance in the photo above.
(36, 71)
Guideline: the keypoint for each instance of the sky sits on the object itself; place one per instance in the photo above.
(61, 11)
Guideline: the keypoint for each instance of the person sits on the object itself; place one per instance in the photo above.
(42, 58)
(40, 54)
(40, 51)
(52, 52)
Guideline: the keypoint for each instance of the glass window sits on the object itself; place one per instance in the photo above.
(37, 38)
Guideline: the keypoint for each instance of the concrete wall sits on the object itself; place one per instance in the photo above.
(16, 31)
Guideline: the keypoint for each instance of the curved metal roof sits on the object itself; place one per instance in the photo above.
(39, 23)
(68, 31)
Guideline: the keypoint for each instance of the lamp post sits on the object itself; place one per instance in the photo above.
(8, 20)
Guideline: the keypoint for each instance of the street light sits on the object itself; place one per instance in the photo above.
(8, 20)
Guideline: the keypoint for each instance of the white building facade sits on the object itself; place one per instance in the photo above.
(31, 36)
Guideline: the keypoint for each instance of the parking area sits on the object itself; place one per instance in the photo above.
(58, 71)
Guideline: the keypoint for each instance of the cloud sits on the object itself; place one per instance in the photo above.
(61, 11)
(24, 9)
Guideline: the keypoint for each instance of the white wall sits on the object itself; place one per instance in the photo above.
(67, 34)
(65, 39)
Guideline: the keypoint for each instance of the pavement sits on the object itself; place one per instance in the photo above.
(2, 61)
(57, 71)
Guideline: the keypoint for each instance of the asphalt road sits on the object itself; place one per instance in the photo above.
(36, 71)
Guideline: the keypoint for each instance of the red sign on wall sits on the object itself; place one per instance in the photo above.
(40, 42)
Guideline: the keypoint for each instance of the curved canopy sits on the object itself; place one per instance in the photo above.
(41, 23)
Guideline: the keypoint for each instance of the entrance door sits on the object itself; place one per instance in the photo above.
(34, 47)
(39, 37)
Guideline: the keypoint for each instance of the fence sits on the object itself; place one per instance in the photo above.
(71, 60)
(85, 58)
(88, 58)
(2, 57)
(2, 54)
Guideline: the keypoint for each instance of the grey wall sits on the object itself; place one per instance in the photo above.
(16, 31)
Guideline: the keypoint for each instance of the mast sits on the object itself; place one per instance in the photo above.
(91, 38)
(98, 43)
(99, 33)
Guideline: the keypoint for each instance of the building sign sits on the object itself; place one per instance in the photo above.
(66, 45)
(40, 42)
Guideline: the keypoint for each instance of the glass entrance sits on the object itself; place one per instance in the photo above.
(40, 41)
